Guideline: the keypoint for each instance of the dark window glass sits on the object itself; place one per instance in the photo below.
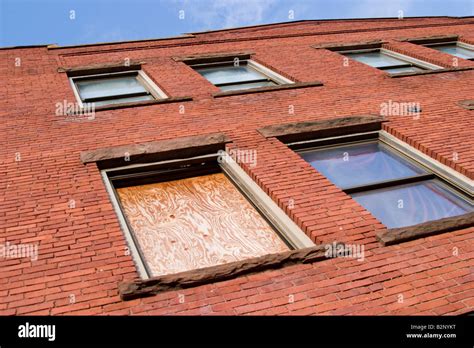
(380, 60)
(411, 204)
(376, 59)
(110, 86)
(356, 165)
(231, 77)
(229, 74)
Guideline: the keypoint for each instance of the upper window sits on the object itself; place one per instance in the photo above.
(190, 214)
(395, 189)
(115, 88)
(458, 49)
(389, 61)
(243, 74)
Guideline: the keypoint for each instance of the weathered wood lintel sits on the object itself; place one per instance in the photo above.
(213, 57)
(156, 150)
(338, 46)
(429, 39)
(104, 68)
(307, 130)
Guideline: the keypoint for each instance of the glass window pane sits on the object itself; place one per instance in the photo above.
(403, 70)
(411, 204)
(124, 100)
(375, 59)
(455, 50)
(227, 74)
(247, 85)
(355, 165)
(108, 86)
(197, 222)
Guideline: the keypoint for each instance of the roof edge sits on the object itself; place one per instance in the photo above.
(193, 34)
(323, 20)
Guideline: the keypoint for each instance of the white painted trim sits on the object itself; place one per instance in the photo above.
(151, 86)
(447, 173)
(269, 73)
(123, 224)
(76, 93)
(282, 222)
(465, 45)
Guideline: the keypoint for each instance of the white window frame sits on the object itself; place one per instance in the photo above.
(408, 59)
(267, 72)
(287, 229)
(275, 77)
(147, 83)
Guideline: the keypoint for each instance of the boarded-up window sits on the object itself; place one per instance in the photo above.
(196, 222)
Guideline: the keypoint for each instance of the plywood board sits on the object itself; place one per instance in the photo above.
(196, 222)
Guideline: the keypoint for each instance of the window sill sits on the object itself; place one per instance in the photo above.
(149, 287)
(404, 234)
(133, 105)
(429, 72)
(296, 85)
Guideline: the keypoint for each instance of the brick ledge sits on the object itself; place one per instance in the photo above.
(149, 287)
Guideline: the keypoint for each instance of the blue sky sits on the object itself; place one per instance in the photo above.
(29, 22)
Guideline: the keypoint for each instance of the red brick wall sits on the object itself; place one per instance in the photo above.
(82, 249)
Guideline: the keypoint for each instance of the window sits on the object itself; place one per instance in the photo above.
(247, 74)
(458, 49)
(190, 214)
(115, 88)
(389, 61)
(395, 189)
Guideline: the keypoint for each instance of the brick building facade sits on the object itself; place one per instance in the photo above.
(56, 192)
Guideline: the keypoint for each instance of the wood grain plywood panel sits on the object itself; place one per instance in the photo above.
(196, 222)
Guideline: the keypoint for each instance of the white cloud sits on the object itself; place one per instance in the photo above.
(209, 14)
